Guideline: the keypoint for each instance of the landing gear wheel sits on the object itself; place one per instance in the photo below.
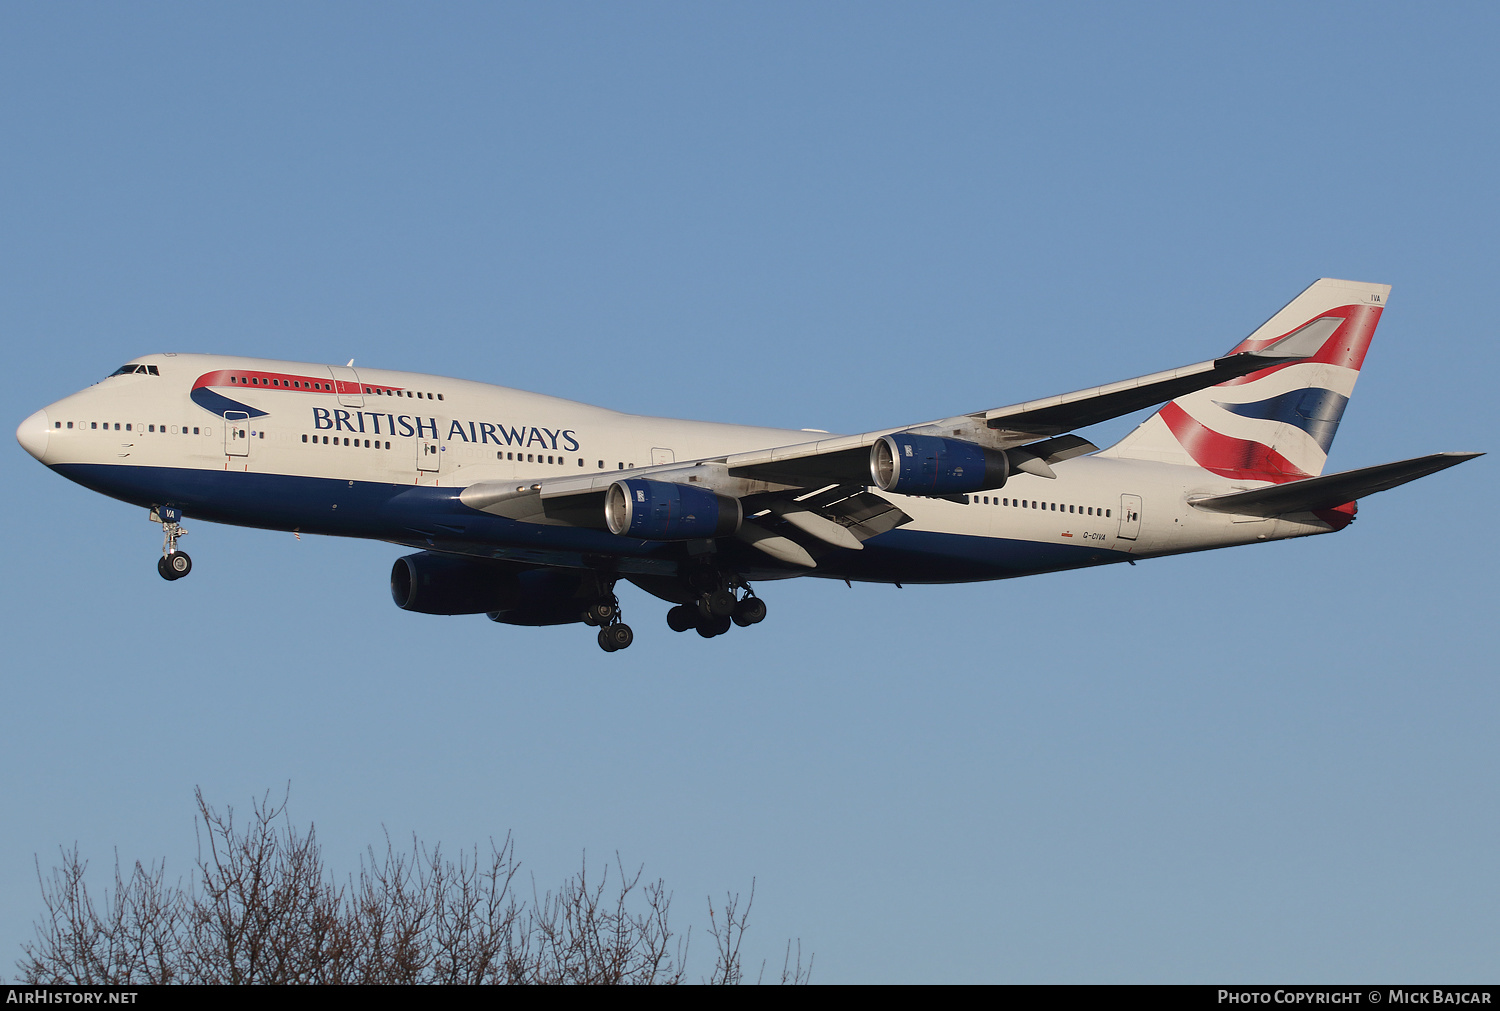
(615, 637)
(601, 612)
(175, 566)
(682, 618)
(717, 604)
(749, 611)
(710, 627)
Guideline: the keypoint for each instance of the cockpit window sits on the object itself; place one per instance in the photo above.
(136, 370)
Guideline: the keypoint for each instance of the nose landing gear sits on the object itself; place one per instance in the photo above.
(173, 564)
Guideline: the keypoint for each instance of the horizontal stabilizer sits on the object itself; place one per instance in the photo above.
(1331, 489)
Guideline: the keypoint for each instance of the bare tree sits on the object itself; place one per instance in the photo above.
(264, 908)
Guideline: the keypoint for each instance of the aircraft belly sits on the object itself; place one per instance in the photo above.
(425, 516)
(927, 556)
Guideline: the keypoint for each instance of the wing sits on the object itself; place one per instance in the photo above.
(1032, 425)
(820, 489)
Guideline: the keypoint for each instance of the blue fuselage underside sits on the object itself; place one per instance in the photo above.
(434, 518)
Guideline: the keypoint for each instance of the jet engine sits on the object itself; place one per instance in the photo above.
(663, 511)
(930, 465)
(445, 584)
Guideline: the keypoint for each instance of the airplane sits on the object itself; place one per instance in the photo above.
(530, 509)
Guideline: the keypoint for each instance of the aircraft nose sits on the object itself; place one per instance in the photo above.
(32, 435)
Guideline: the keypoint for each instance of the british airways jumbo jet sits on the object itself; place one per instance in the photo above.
(530, 509)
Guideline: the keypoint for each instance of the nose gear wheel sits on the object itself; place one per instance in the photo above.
(173, 563)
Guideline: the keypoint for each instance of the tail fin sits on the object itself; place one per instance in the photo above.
(1276, 424)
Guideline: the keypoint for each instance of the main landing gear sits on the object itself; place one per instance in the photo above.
(173, 564)
(717, 607)
(604, 612)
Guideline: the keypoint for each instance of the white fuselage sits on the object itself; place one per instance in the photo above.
(222, 437)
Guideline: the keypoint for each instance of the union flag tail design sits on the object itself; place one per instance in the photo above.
(1276, 424)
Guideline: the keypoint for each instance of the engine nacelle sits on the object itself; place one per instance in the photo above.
(663, 511)
(444, 584)
(930, 465)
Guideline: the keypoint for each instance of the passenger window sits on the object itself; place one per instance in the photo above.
(388, 445)
(1107, 513)
(440, 396)
(70, 424)
(304, 438)
(127, 426)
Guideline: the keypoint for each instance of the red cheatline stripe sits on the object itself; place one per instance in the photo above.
(240, 378)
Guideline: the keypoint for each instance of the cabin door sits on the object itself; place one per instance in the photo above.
(346, 382)
(236, 433)
(1130, 517)
(429, 456)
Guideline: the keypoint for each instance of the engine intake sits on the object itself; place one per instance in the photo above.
(930, 465)
(663, 511)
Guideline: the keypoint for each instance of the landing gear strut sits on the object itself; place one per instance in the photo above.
(716, 607)
(604, 612)
(173, 564)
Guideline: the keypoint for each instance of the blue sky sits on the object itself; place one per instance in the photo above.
(1270, 764)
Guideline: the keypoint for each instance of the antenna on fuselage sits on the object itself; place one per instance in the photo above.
(350, 365)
